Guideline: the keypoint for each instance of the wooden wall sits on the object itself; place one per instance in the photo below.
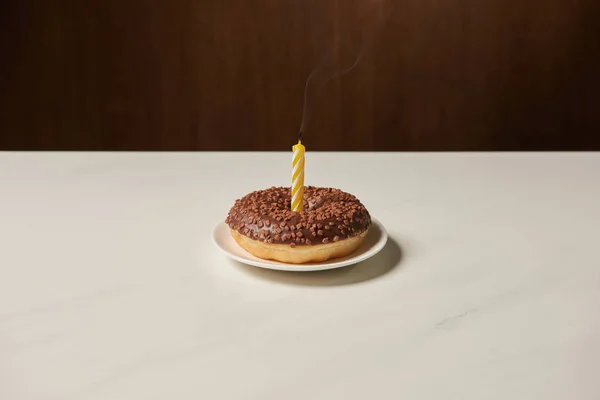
(230, 74)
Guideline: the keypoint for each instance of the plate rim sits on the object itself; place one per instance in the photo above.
(275, 265)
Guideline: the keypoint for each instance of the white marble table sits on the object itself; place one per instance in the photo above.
(110, 287)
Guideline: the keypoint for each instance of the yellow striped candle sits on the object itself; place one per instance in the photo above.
(298, 177)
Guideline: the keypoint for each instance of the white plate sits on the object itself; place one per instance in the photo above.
(374, 242)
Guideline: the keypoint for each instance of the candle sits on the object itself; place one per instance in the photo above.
(298, 177)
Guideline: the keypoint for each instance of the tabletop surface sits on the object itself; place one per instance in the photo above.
(110, 287)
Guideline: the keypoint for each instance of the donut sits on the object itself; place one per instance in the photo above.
(332, 224)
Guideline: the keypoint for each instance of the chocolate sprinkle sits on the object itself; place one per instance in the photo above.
(329, 213)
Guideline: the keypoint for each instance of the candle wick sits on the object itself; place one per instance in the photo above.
(299, 136)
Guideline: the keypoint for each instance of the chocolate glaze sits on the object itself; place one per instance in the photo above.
(329, 215)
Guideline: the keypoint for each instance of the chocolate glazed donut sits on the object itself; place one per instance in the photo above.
(333, 224)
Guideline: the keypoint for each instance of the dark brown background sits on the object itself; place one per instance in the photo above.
(230, 75)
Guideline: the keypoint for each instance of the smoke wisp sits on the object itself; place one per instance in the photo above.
(344, 54)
